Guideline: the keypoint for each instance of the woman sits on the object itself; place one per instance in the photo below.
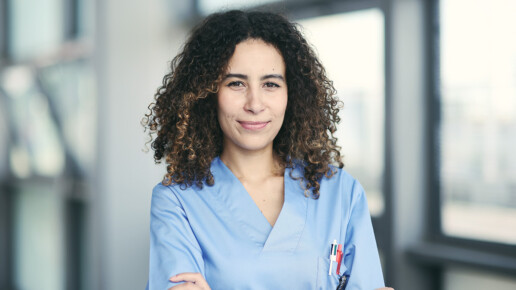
(254, 195)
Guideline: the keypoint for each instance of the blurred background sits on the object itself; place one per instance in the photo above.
(428, 127)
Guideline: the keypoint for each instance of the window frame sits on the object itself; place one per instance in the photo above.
(71, 19)
(6, 199)
(4, 29)
(438, 249)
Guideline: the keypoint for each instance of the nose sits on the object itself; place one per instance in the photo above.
(254, 101)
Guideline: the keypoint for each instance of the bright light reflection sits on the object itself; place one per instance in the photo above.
(17, 80)
(38, 148)
(478, 129)
(19, 161)
(210, 6)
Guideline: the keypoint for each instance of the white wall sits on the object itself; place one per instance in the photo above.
(134, 43)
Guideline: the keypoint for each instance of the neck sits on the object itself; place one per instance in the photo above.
(252, 165)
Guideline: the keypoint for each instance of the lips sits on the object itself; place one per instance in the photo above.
(253, 125)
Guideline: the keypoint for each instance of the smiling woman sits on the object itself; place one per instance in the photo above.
(254, 196)
(252, 98)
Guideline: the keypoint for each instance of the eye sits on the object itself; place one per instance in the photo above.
(271, 85)
(236, 84)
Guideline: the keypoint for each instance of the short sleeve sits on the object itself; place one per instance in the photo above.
(360, 251)
(173, 246)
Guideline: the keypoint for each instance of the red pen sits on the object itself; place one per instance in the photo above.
(339, 258)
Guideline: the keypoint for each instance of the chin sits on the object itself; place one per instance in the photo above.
(254, 147)
(251, 145)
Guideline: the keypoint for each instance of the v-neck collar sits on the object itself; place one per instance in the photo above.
(287, 230)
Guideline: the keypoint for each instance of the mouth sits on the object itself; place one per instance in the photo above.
(248, 125)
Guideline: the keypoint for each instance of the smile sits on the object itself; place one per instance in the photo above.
(253, 125)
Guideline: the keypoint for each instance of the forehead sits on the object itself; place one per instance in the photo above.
(255, 55)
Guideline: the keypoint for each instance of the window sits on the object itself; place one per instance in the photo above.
(36, 149)
(477, 135)
(42, 34)
(70, 87)
(47, 142)
(351, 47)
(209, 6)
(464, 278)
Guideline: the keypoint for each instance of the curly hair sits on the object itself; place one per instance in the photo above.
(184, 117)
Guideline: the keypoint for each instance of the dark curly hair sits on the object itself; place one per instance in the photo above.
(184, 118)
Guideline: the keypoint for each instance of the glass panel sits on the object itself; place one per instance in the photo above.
(457, 278)
(38, 238)
(36, 27)
(478, 123)
(351, 47)
(86, 17)
(36, 148)
(210, 6)
(71, 89)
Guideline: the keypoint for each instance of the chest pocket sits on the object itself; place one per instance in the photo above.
(325, 281)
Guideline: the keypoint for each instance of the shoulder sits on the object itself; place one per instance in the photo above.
(170, 194)
(174, 189)
(177, 191)
(181, 195)
(341, 177)
(335, 174)
(161, 190)
(163, 195)
(343, 184)
(337, 182)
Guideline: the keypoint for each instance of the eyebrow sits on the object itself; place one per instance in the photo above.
(245, 77)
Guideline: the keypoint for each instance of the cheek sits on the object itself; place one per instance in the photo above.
(225, 107)
(281, 106)
(222, 104)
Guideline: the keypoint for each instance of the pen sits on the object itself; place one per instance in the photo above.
(333, 255)
(343, 281)
(339, 258)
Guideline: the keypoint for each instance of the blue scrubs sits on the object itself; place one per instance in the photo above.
(221, 233)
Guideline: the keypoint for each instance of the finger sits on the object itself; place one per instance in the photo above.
(195, 278)
(186, 286)
(187, 276)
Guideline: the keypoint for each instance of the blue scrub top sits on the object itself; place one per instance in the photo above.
(219, 232)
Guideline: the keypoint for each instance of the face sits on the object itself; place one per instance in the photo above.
(252, 97)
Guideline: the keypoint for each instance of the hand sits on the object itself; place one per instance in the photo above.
(193, 281)
(385, 288)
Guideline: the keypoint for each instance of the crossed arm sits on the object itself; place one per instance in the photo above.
(195, 281)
